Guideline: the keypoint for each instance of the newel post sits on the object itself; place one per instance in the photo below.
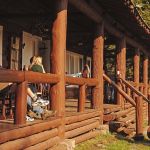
(58, 52)
(139, 118)
(97, 92)
(21, 103)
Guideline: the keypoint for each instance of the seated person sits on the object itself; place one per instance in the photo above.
(37, 66)
(35, 103)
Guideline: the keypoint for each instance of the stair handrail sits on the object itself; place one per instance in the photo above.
(134, 89)
(124, 94)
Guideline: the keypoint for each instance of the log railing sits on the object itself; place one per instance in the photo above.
(135, 97)
(138, 97)
(135, 90)
(22, 78)
(124, 94)
(82, 83)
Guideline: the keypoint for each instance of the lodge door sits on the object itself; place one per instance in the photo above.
(14, 53)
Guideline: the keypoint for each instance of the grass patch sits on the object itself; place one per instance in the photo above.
(113, 142)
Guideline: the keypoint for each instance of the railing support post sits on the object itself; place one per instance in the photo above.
(21, 103)
(139, 118)
(82, 98)
(149, 111)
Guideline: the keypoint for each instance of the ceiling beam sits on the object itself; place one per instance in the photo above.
(85, 8)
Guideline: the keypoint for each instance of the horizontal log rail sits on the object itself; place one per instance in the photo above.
(134, 89)
(30, 76)
(36, 77)
(126, 96)
(12, 76)
(81, 81)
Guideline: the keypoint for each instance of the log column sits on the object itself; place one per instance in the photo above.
(136, 68)
(139, 118)
(58, 53)
(149, 111)
(145, 75)
(121, 65)
(97, 92)
(21, 103)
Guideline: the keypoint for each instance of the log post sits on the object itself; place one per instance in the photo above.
(97, 92)
(136, 67)
(21, 103)
(145, 75)
(136, 70)
(139, 118)
(121, 65)
(58, 52)
(82, 98)
(149, 111)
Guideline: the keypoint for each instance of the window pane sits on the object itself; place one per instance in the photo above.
(71, 64)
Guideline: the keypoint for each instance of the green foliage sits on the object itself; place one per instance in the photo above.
(144, 9)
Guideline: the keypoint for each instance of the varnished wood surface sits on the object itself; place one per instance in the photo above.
(6, 125)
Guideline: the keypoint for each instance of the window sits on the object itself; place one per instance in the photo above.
(74, 63)
(14, 52)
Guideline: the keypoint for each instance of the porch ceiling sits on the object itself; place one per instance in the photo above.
(36, 14)
(128, 17)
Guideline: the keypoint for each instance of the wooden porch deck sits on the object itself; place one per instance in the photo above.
(6, 125)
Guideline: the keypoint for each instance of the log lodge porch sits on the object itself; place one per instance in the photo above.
(104, 35)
